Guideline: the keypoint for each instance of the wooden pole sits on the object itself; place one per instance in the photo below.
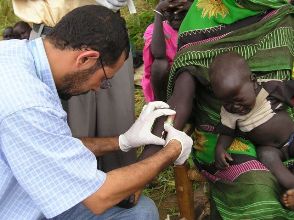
(184, 192)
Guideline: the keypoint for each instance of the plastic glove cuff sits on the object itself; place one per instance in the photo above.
(177, 163)
(122, 143)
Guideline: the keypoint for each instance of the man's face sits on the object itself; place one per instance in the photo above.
(82, 81)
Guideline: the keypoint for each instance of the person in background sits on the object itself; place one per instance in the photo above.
(107, 113)
(22, 30)
(8, 33)
(160, 47)
(45, 171)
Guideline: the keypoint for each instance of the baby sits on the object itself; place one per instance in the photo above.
(255, 111)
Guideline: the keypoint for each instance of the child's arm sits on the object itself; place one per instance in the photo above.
(160, 66)
(158, 40)
(290, 88)
(221, 156)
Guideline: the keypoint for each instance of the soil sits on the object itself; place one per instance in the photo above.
(168, 209)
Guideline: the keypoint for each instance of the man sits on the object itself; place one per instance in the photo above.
(45, 172)
(107, 113)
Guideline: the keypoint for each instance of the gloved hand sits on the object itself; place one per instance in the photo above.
(114, 5)
(186, 142)
(140, 132)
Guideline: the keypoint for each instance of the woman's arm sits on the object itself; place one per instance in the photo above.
(182, 101)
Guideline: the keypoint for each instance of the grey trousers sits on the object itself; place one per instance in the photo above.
(104, 113)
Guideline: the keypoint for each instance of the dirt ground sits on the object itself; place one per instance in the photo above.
(168, 209)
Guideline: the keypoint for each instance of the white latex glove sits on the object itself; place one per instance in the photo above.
(140, 132)
(186, 142)
(114, 5)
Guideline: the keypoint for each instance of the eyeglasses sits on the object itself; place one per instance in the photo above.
(105, 83)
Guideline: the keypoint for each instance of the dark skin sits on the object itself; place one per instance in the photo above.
(238, 93)
(182, 101)
(8, 33)
(174, 12)
(22, 30)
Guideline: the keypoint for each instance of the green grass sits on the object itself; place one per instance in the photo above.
(7, 17)
(137, 23)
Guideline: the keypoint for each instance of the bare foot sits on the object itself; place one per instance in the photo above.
(288, 199)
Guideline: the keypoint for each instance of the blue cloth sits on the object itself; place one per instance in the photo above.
(144, 210)
(44, 171)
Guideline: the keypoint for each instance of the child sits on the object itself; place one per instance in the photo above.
(8, 33)
(160, 47)
(254, 111)
(22, 30)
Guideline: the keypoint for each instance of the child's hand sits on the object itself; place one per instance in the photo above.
(172, 5)
(221, 158)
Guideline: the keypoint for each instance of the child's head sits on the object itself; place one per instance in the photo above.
(8, 33)
(22, 30)
(232, 82)
(175, 15)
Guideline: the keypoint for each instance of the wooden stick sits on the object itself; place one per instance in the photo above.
(184, 192)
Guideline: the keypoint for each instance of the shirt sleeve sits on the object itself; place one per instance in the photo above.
(281, 90)
(55, 169)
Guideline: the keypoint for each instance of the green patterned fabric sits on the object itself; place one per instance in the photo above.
(206, 143)
(194, 19)
(258, 201)
(273, 37)
(268, 47)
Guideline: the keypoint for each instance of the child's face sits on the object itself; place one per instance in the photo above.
(22, 32)
(175, 20)
(242, 100)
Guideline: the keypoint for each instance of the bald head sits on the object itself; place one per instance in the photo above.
(227, 73)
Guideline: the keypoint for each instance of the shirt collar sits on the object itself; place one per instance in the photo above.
(43, 70)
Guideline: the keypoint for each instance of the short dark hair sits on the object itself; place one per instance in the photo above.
(8, 33)
(95, 27)
(23, 25)
(22, 30)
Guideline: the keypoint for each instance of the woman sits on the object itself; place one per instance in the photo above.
(262, 32)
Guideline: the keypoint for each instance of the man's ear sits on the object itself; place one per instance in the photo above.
(87, 57)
